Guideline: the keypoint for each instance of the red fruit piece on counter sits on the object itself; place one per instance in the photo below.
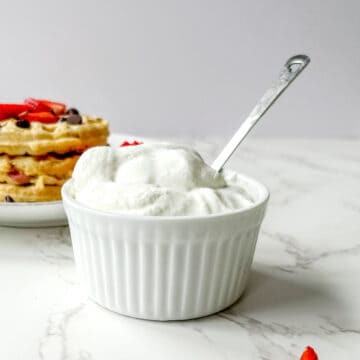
(309, 354)
(10, 110)
(43, 116)
(135, 142)
(19, 177)
(39, 105)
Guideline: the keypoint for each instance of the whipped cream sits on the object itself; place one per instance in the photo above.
(156, 179)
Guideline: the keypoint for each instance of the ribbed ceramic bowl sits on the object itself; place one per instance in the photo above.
(165, 267)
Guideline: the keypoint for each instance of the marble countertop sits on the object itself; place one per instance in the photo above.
(304, 288)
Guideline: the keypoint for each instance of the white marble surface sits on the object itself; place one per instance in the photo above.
(304, 287)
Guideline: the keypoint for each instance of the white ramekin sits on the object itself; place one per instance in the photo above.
(164, 267)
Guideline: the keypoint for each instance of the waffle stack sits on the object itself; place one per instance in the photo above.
(39, 152)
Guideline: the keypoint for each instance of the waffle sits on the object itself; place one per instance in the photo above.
(49, 169)
(30, 193)
(50, 164)
(36, 160)
(60, 137)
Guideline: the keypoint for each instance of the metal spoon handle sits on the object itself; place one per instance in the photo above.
(293, 67)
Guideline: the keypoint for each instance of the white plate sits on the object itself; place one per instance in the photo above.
(37, 214)
(44, 214)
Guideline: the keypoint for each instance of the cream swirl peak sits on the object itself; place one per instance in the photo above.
(156, 179)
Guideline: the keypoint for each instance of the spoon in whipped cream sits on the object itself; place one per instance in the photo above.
(292, 68)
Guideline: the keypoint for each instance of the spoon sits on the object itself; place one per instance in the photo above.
(292, 68)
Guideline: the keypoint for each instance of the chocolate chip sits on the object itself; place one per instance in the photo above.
(74, 119)
(8, 198)
(23, 124)
(72, 111)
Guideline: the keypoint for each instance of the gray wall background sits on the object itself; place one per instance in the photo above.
(193, 68)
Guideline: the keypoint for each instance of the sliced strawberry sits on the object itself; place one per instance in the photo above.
(11, 110)
(44, 117)
(309, 354)
(40, 105)
(14, 108)
(32, 103)
(3, 116)
(19, 177)
(22, 115)
(56, 107)
(126, 143)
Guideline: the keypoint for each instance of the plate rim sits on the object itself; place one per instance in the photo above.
(29, 203)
